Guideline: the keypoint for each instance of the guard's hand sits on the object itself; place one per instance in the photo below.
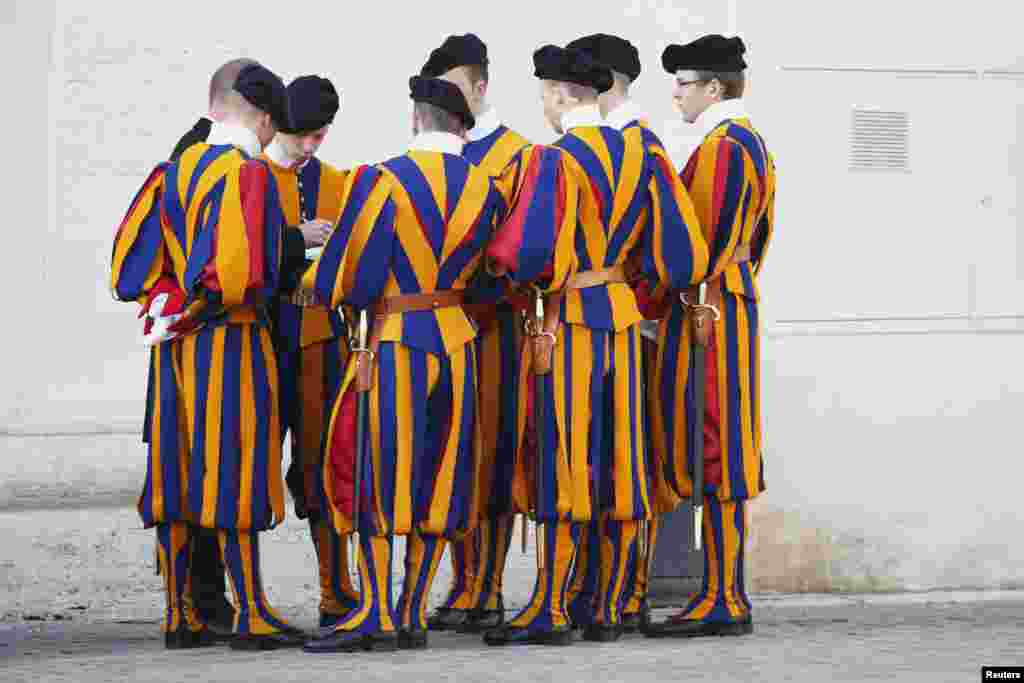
(315, 232)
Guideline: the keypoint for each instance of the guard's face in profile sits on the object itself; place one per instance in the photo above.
(303, 146)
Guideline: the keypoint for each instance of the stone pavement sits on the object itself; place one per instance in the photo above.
(79, 602)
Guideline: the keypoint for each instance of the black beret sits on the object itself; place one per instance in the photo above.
(465, 50)
(618, 54)
(265, 90)
(442, 94)
(707, 53)
(555, 63)
(313, 102)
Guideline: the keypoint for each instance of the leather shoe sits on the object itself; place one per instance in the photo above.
(353, 641)
(602, 633)
(481, 620)
(696, 628)
(412, 639)
(186, 639)
(219, 615)
(514, 635)
(447, 619)
(637, 621)
(271, 641)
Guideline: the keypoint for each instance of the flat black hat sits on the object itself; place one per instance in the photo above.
(312, 102)
(455, 51)
(707, 53)
(265, 90)
(555, 63)
(442, 94)
(618, 54)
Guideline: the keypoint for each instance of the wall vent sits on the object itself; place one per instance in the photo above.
(879, 140)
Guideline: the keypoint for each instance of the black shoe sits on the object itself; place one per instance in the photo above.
(637, 621)
(186, 639)
(447, 619)
(482, 620)
(288, 637)
(600, 633)
(412, 639)
(352, 641)
(697, 628)
(513, 635)
(219, 616)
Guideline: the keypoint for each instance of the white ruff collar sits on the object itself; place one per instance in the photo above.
(436, 141)
(234, 134)
(721, 111)
(587, 115)
(486, 123)
(624, 114)
(276, 152)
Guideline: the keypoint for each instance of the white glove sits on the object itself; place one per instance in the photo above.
(159, 332)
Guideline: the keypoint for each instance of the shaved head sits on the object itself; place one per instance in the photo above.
(223, 80)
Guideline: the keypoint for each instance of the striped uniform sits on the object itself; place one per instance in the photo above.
(585, 584)
(414, 224)
(593, 201)
(312, 350)
(478, 561)
(731, 178)
(214, 449)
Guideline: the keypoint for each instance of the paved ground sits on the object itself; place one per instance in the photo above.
(78, 602)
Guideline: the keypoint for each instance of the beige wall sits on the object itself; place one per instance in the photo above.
(883, 377)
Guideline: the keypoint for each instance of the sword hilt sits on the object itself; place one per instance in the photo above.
(701, 305)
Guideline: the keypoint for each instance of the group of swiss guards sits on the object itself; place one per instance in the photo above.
(452, 337)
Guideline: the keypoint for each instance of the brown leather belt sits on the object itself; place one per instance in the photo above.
(405, 303)
(702, 316)
(593, 278)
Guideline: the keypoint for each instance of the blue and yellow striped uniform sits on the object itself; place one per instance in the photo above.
(414, 224)
(478, 561)
(593, 201)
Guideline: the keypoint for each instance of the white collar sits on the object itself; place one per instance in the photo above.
(588, 115)
(437, 141)
(721, 111)
(276, 152)
(627, 112)
(234, 134)
(486, 123)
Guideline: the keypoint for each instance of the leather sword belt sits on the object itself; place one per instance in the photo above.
(700, 325)
(405, 303)
(603, 276)
(401, 303)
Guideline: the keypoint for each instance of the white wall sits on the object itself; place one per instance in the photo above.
(869, 420)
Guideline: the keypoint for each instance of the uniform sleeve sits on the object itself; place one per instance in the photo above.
(138, 260)
(236, 259)
(535, 241)
(676, 254)
(293, 258)
(354, 265)
(715, 177)
(767, 226)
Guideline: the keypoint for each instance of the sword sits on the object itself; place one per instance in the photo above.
(538, 420)
(698, 349)
(364, 355)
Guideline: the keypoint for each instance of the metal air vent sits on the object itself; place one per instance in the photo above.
(879, 140)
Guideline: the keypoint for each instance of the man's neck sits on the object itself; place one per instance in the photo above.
(611, 100)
